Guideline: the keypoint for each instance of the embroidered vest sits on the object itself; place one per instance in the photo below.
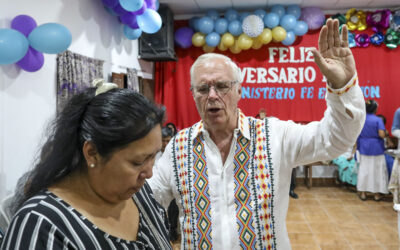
(253, 183)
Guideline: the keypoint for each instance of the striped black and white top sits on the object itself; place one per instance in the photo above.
(47, 222)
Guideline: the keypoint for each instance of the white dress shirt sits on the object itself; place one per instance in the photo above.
(291, 145)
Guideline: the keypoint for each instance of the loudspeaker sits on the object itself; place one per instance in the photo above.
(160, 45)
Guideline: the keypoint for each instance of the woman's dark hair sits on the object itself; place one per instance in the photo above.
(383, 118)
(167, 131)
(172, 127)
(371, 106)
(110, 121)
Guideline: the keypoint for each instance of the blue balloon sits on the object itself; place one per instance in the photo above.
(157, 3)
(260, 12)
(271, 20)
(150, 21)
(294, 10)
(131, 5)
(50, 38)
(13, 46)
(213, 39)
(288, 22)
(278, 9)
(301, 28)
(231, 15)
(243, 15)
(213, 14)
(110, 11)
(206, 25)
(132, 34)
(221, 25)
(290, 38)
(194, 23)
(235, 28)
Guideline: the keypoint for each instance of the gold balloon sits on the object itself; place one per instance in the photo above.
(235, 49)
(278, 34)
(198, 39)
(208, 49)
(244, 41)
(222, 47)
(256, 44)
(227, 39)
(265, 37)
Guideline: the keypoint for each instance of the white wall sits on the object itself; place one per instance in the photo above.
(28, 100)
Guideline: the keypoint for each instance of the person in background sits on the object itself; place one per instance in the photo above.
(293, 185)
(261, 114)
(173, 211)
(396, 125)
(387, 144)
(347, 166)
(88, 188)
(230, 173)
(172, 127)
(372, 173)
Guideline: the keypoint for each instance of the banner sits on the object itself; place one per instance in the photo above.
(284, 80)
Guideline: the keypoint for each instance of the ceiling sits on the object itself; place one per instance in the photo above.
(184, 9)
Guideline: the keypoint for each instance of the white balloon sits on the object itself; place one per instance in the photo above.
(252, 25)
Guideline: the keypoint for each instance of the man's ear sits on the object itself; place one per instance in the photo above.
(90, 153)
(239, 90)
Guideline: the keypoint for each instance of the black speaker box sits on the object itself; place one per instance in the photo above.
(160, 45)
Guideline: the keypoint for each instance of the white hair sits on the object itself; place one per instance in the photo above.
(209, 56)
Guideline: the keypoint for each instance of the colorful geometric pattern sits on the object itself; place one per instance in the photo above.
(352, 83)
(244, 210)
(181, 156)
(202, 196)
(253, 184)
(264, 187)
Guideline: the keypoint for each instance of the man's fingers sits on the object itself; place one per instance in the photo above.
(319, 60)
(323, 39)
(329, 23)
(345, 37)
(336, 36)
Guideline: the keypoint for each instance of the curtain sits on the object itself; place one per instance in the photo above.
(75, 73)
(285, 81)
(133, 80)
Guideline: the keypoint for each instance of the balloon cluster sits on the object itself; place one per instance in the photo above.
(137, 16)
(241, 31)
(25, 43)
(385, 24)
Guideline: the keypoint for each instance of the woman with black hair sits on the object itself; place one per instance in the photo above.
(372, 174)
(88, 189)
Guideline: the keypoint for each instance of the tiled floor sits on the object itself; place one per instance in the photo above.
(335, 218)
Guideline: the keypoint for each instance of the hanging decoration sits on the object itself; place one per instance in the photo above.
(356, 20)
(377, 38)
(392, 39)
(251, 30)
(395, 21)
(379, 20)
(362, 40)
(242, 31)
(25, 43)
(137, 16)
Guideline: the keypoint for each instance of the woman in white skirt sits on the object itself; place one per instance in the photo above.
(372, 174)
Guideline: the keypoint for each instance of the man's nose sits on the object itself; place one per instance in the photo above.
(212, 92)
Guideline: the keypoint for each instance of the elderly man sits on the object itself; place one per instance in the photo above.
(230, 174)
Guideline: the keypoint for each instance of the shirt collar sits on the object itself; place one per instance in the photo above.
(243, 126)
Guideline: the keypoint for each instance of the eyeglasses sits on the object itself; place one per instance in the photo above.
(221, 88)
